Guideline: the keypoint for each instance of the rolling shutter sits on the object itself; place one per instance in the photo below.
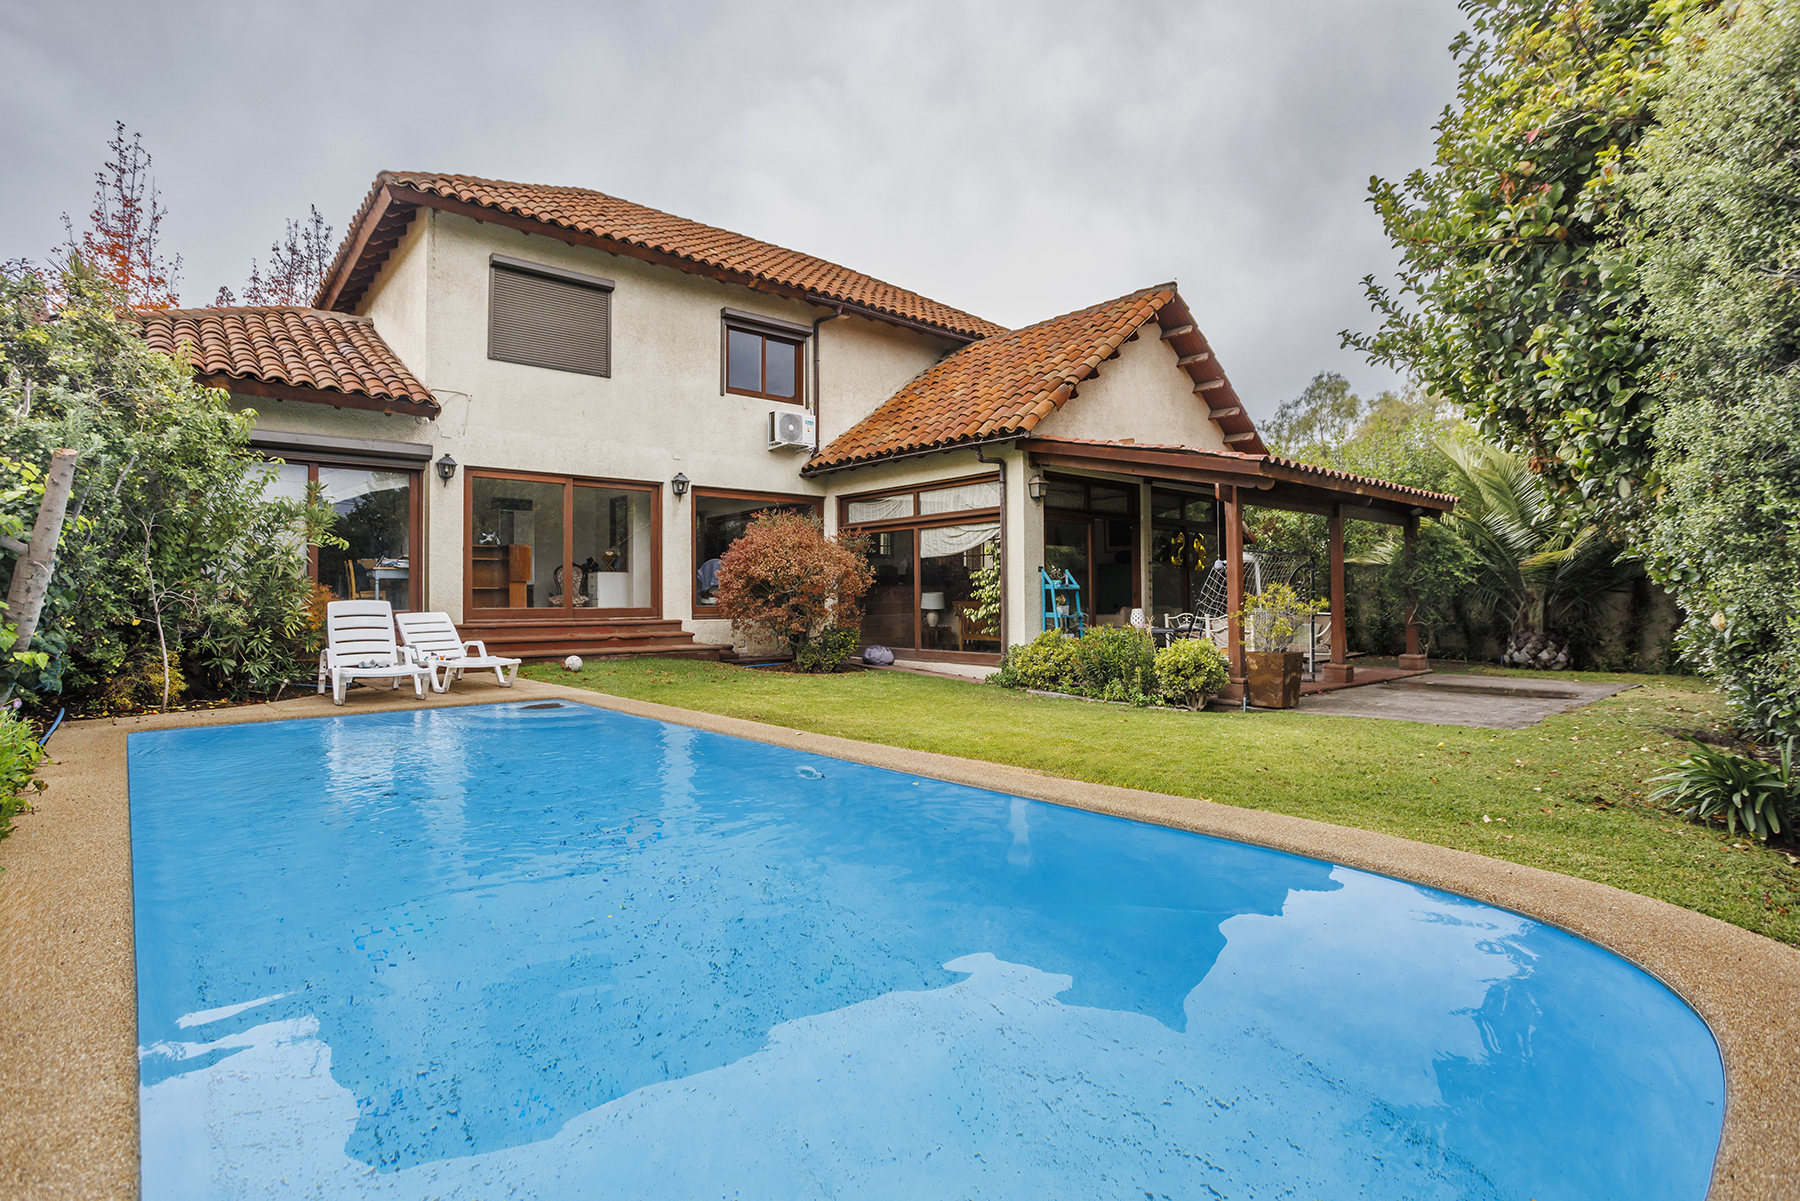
(546, 322)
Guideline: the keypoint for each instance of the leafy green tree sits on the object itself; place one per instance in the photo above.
(171, 558)
(1517, 299)
(1718, 236)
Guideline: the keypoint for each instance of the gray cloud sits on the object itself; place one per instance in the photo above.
(1018, 160)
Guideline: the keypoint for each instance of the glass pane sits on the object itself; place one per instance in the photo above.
(374, 512)
(949, 559)
(1199, 510)
(782, 361)
(613, 552)
(720, 521)
(1060, 494)
(1168, 574)
(882, 508)
(287, 481)
(744, 360)
(1115, 545)
(517, 543)
(1066, 549)
(1105, 499)
(888, 607)
(1165, 504)
(984, 495)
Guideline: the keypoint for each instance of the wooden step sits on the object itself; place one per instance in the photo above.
(549, 641)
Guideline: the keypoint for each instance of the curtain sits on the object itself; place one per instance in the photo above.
(955, 539)
(963, 496)
(882, 508)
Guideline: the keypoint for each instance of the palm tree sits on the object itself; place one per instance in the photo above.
(1540, 569)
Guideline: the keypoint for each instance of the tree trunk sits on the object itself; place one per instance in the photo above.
(31, 575)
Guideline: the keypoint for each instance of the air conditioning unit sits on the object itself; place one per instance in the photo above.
(791, 430)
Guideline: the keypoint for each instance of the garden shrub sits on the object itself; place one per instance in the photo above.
(1047, 661)
(1190, 670)
(1115, 663)
(1712, 785)
(826, 651)
(785, 580)
(19, 755)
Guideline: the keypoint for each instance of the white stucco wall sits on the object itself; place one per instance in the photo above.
(1141, 395)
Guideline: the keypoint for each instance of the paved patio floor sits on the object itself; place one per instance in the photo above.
(1450, 699)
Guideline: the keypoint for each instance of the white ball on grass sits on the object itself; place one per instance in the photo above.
(573, 663)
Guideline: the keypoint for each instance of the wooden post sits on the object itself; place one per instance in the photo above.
(1338, 671)
(31, 574)
(1412, 660)
(1234, 582)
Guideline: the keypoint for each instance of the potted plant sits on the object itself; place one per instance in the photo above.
(1268, 621)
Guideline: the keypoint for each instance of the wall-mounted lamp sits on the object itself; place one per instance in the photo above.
(1035, 486)
(679, 484)
(446, 468)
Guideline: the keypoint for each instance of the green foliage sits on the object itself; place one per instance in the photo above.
(1712, 785)
(170, 551)
(784, 579)
(1270, 617)
(1517, 299)
(1116, 663)
(1047, 661)
(1537, 569)
(1191, 669)
(19, 756)
(1719, 241)
(827, 650)
(988, 593)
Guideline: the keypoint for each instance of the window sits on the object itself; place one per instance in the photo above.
(759, 364)
(719, 521)
(377, 514)
(1091, 531)
(546, 317)
(1184, 542)
(929, 547)
(547, 543)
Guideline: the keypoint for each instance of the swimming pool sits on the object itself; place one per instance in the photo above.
(564, 952)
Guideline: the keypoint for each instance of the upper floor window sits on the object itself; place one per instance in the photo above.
(763, 357)
(548, 317)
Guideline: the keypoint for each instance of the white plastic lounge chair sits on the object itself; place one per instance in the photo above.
(433, 640)
(360, 645)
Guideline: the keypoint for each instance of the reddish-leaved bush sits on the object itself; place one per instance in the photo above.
(784, 579)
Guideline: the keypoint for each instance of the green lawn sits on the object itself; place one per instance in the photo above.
(1566, 795)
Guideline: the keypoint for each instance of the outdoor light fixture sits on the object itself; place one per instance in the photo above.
(1035, 485)
(679, 484)
(446, 468)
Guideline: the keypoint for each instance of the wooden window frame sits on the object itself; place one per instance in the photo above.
(815, 503)
(1134, 512)
(778, 337)
(415, 516)
(1185, 526)
(568, 611)
(501, 262)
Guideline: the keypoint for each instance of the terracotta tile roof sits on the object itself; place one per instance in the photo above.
(1233, 462)
(621, 227)
(1003, 386)
(292, 353)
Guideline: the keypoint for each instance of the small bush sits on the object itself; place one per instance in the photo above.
(785, 580)
(1047, 661)
(1190, 670)
(1115, 663)
(826, 651)
(19, 755)
(1710, 785)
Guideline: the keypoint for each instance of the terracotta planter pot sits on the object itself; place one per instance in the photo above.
(1274, 681)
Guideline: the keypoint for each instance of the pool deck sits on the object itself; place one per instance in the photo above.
(68, 1037)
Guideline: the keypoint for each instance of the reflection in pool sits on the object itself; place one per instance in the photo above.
(568, 952)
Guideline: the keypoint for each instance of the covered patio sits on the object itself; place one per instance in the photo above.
(1238, 480)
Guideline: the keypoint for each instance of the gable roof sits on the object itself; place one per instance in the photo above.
(1002, 386)
(588, 218)
(291, 353)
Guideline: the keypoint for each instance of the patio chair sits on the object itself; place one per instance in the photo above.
(360, 645)
(434, 640)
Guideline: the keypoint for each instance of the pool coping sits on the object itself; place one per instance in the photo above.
(68, 1043)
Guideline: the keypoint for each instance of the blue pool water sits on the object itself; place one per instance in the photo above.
(512, 951)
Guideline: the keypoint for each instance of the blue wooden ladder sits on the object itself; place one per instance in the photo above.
(1062, 602)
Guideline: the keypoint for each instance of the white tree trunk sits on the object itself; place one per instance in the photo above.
(31, 575)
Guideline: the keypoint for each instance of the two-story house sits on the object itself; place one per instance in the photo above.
(549, 412)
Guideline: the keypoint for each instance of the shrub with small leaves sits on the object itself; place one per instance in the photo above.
(1189, 670)
(1047, 661)
(1115, 663)
(1712, 785)
(826, 651)
(19, 755)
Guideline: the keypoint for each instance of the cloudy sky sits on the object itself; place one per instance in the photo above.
(1017, 160)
